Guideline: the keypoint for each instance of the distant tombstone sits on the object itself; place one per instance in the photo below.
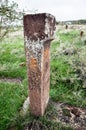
(38, 33)
(66, 26)
(81, 33)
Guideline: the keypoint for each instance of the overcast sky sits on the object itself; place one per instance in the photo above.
(61, 9)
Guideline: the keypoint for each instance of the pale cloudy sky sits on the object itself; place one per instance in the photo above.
(61, 9)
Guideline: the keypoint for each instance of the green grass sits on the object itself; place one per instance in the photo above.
(12, 95)
(11, 98)
(47, 122)
(12, 54)
(68, 70)
(66, 81)
(68, 36)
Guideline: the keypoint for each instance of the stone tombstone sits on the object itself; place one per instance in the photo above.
(38, 33)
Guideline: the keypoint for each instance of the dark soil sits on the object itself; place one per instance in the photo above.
(70, 115)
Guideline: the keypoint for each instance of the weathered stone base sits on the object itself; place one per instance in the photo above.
(26, 106)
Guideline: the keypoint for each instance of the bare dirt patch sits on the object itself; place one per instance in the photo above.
(70, 115)
(11, 80)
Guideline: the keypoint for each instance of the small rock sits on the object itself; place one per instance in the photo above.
(22, 64)
(25, 107)
(78, 128)
(75, 111)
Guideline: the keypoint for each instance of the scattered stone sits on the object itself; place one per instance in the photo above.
(84, 84)
(26, 106)
(69, 51)
(72, 116)
(14, 51)
(75, 111)
(78, 128)
(22, 64)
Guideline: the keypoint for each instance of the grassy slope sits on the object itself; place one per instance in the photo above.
(12, 95)
(63, 89)
(68, 57)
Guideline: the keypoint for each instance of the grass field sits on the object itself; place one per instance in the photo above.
(67, 83)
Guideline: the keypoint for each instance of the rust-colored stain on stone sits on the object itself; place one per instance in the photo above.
(46, 72)
(33, 64)
(38, 32)
(46, 53)
(34, 74)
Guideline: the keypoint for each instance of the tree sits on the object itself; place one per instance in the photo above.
(9, 16)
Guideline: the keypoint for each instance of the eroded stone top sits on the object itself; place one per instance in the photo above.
(39, 26)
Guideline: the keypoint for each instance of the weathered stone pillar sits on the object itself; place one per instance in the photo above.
(38, 33)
